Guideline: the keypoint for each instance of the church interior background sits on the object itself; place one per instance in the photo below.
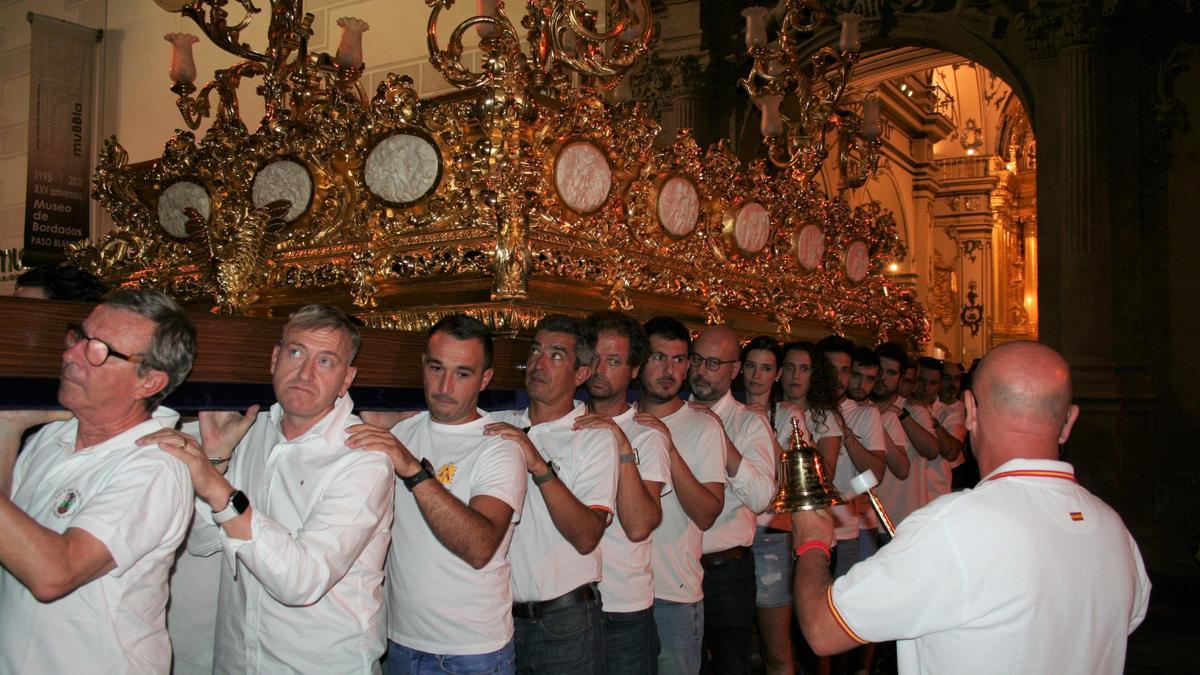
(1080, 236)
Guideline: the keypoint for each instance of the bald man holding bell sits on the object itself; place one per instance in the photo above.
(1026, 573)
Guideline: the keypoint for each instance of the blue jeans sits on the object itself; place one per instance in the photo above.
(568, 641)
(729, 590)
(844, 557)
(404, 661)
(680, 634)
(630, 642)
(773, 569)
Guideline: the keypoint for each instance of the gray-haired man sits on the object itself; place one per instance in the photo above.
(89, 521)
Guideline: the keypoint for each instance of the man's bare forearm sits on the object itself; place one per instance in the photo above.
(862, 458)
(467, 533)
(698, 502)
(925, 443)
(897, 459)
(950, 446)
(578, 524)
(639, 510)
(44, 560)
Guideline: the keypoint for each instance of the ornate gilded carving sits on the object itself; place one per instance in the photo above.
(943, 292)
(972, 312)
(493, 223)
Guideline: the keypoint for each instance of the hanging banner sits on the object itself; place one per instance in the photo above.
(61, 61)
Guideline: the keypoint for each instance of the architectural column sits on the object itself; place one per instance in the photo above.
(1085, 255)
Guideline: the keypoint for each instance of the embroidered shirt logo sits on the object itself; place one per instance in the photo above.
(65, 501)
(446, 473)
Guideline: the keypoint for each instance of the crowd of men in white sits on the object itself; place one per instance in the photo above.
(605, 536)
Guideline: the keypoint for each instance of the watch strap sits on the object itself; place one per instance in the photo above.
(237, 505)
(419, 477)
(630, 458)
(542, 479)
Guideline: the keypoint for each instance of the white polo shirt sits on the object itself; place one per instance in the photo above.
(953, 419)
(864, 422)
(628, 582)
(305, 592)
(678, 576)
(901, 497)
(819, 428)
(752, 489)
(437, 602)
(544, 564)
(137, 502)
(1033, 574)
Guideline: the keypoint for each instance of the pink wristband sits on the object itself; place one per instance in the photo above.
(813, 544)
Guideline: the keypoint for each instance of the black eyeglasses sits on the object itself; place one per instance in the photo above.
(96, 351)
(711, 363)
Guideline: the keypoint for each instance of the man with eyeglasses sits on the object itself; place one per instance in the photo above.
(572, 467)
(729, 584)
(695, 452)
(89, 521)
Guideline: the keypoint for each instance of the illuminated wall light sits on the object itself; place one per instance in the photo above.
(970, 151)
(893, 267)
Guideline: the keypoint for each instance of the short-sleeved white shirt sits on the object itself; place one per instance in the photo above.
(437, 602)
(1026, 573)
(678, 576)
(137, 501)
(544, 564)
(901, 497)
(864, 422)
(749, 491)
(819, 428)
(628, 582)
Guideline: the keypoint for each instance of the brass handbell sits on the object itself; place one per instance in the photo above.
(803, 484)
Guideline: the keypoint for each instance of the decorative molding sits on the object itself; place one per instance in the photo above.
(972, 312)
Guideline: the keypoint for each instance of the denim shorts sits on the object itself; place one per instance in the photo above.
(773, 569)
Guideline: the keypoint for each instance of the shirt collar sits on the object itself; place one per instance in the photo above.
(566, 421)
(723, 404)
(1032, 468)
(329, 428)
(472, 428)
(162, 418)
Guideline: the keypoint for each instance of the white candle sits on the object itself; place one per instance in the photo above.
(756, 26)
(772, 120)
(871, 128)
(849, 41)
(485, 8)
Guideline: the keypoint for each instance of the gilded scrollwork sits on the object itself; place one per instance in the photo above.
(492, 215)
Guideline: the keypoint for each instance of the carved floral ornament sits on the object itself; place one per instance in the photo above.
(369, 196)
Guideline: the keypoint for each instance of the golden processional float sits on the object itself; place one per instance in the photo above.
(534, 187)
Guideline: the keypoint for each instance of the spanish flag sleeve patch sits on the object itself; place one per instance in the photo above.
(1076, 516)
(837, 616)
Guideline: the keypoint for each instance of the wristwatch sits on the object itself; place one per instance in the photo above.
(237, 505)
(414, 480)
(631, 458)
(903, 414)
(551, 474)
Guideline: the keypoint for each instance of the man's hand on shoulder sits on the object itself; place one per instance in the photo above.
(207, 479)
(533, 459)
(376, 439)
(597, 421)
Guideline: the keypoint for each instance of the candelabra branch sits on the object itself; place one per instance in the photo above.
(212, 22)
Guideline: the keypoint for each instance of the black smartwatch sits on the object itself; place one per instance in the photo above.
(237, 505)
(414, 480)
(903, 414)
